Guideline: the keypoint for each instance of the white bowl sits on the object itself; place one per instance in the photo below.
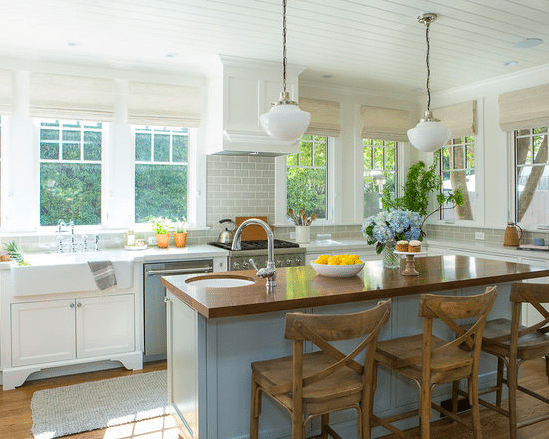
(337, 270)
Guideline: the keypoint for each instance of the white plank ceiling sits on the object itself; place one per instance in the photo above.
(373, 43)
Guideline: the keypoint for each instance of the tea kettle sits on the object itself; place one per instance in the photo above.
(226, 236)
(512, 236)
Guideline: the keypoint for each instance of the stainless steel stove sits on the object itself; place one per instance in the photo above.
(286, 254)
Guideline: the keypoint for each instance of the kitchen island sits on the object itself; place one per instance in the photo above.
(215, 333)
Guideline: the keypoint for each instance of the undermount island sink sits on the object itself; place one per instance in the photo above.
(220, 281)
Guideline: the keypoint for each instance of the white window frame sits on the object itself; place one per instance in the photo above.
(396, 171)
(333, 203)
(153, 131)
(450, 144)
(513, 201)
(479, 208)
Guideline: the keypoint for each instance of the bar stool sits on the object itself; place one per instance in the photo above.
(513, 344)
(326, 380)
(439, 361)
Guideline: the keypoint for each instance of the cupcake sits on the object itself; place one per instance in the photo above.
(414, 246)
(402, 246)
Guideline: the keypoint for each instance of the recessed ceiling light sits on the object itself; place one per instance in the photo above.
(171, 55)
(510, 63)
(72, 43)
(526, 43)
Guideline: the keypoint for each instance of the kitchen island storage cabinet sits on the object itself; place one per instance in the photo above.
(71, 330)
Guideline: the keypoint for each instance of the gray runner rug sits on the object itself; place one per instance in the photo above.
(98, 404)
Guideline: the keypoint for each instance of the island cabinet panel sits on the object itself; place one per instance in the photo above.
(105, 326)
(183, 365)
(42, 332)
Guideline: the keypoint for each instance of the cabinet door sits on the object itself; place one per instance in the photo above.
(42, 332)
(104, 325)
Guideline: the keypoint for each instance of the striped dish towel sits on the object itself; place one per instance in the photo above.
(103, 274)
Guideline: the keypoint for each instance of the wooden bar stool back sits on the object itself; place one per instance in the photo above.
(439, 361)
(326, 380)
(513, 344)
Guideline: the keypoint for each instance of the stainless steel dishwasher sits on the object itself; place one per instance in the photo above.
(154, 306)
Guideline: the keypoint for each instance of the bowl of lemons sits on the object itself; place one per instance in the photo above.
(337, 265)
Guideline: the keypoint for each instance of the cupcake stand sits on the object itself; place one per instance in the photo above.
(410, 269)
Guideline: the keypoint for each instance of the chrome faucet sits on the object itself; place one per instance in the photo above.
(269, 271)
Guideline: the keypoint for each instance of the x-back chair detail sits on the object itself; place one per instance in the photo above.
(439, 361)
(323, 381)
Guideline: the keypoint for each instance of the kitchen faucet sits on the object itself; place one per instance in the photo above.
(269, 271)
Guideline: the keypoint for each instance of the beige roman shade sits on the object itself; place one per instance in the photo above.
(164, 105)
(5, 91)
(71, 97)
(526, 108)
(460, 118)
(384, 123)
(325, 120)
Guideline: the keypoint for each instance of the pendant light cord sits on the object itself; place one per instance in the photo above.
(427, 24)
(284, 46)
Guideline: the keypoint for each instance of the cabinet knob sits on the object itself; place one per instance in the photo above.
(79, 305)
(72, 305)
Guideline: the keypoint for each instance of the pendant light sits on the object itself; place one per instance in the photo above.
(285, 121)
(429, 134)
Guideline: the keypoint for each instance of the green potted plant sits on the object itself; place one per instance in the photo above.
(161, 227)
(180, 232)
(421, 182)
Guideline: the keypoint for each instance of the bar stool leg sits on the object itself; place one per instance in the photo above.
(325, 420)
(499, 382)
(455, 396)
(255, 408)
(512, 377)
(425, 410)
(475, 410)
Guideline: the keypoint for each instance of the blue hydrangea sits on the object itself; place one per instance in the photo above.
(393, 225)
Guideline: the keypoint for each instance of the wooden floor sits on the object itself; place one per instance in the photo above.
(16, 418)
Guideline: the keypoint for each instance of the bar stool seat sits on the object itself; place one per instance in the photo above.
(275, 372)
(529, 346)
(401, 354)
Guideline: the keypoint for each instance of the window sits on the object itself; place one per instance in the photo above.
(161, 164)
(456, 161)
(306, 171)
(380, 171)
(531, 177)
(70, 172)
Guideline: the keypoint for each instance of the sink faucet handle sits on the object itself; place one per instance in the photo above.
(61, 225)
(252, 262)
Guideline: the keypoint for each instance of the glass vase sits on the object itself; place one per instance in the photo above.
(390, 260)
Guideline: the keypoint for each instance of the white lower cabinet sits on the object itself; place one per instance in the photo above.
(42, 332)
(66, 329)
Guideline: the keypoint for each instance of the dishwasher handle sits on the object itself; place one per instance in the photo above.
(168, 272)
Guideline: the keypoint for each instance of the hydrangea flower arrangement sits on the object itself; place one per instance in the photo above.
(394, 225)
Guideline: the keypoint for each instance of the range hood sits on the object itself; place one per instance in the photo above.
(239, 90)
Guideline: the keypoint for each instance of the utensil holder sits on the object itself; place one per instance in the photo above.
(302, 234)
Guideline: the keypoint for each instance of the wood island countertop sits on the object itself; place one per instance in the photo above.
(301, 287)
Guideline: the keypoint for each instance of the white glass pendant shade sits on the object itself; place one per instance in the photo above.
(428, 135)
(285, 122)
